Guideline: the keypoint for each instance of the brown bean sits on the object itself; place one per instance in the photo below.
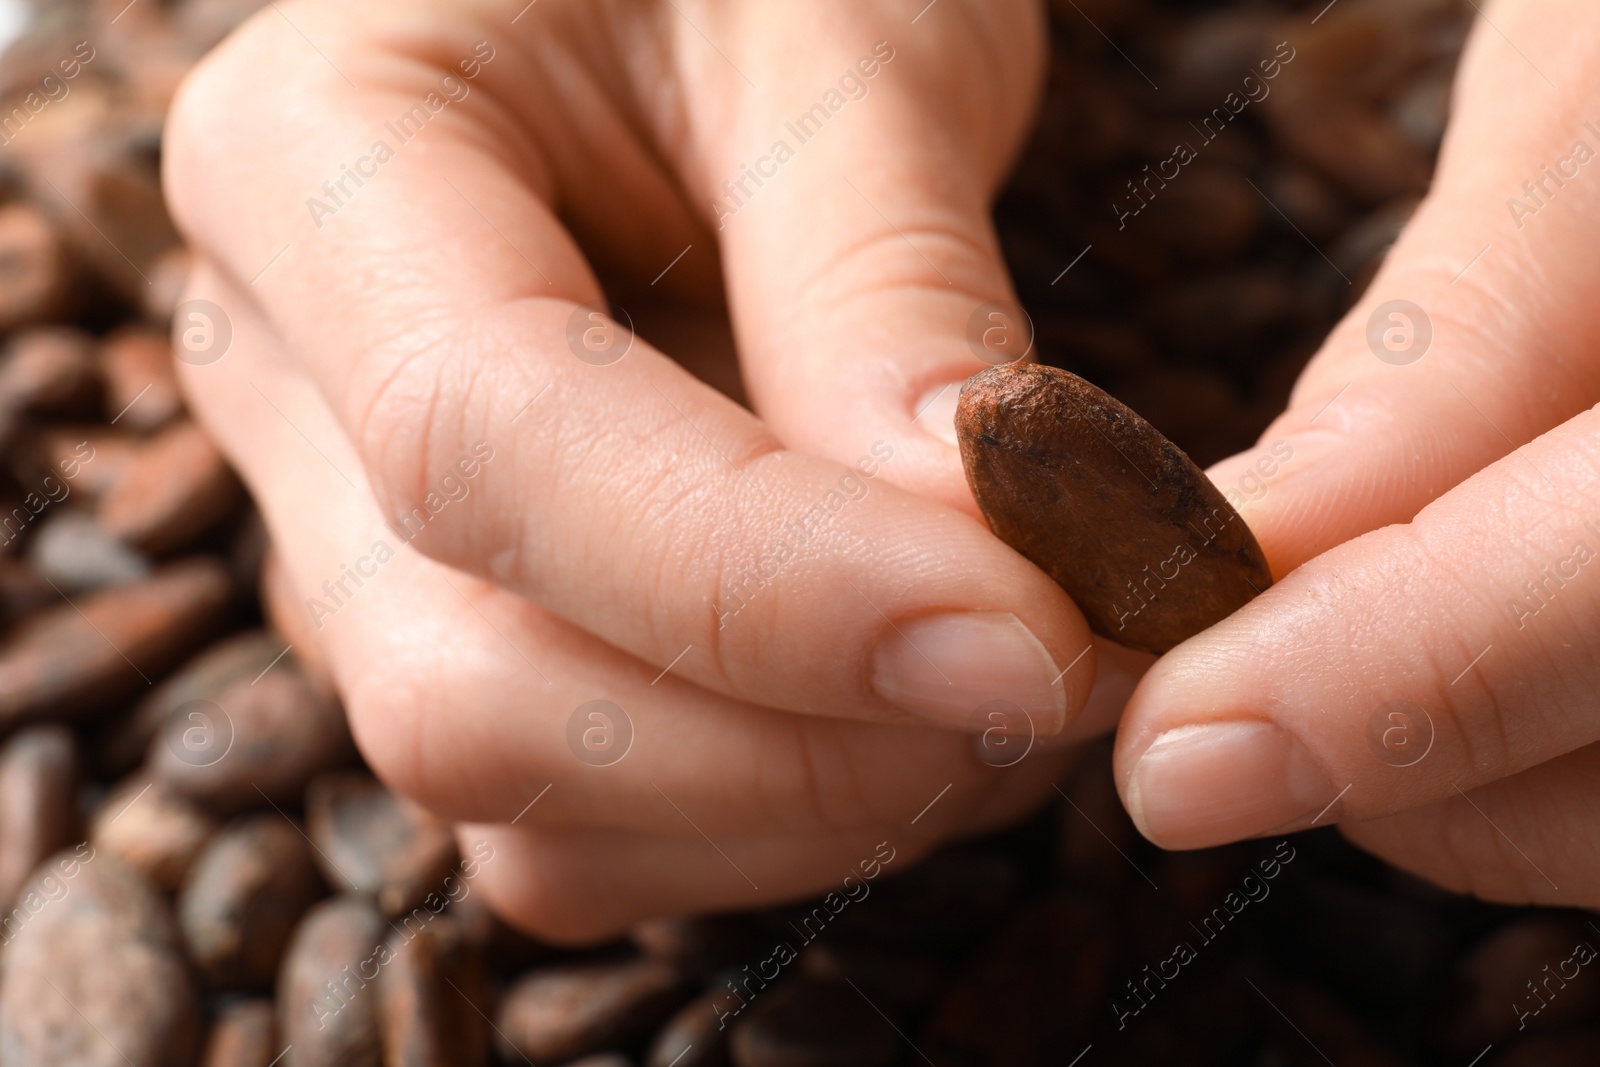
(243, 896)
(175, 488)
(152, 829)
(243, 1035)
(695, 1036)
(433, 997)
(565, 1012)
(1032, 995)
(242, 657)
(38, 809)
(1146, 545)
(75, 658)
(255, 739)
(35, 267)
(75, 552)
(810, 1023)
(141, 386)
(327, 1010)
(371, 841)
(49, 368)
(94, 976)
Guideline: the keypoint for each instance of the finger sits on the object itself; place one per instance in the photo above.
(864, 274)
(1474, 337)
(1527, 839)
(586, 886)
(1390, 672)
(481, 706)
(632, 500)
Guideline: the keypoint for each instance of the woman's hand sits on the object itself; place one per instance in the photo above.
(1428, 673)
(498, 506)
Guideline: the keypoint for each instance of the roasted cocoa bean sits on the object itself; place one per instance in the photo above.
(371, 841)
(175, 488)
(559, 1014)
(152, 829)
(1148, 548)
(141, 387)
(94, 976)
(432, 996)
(243, 1035)
(695, 1036)
(78, 657)
(35, 267)
(38, 810)
(810, 1023)
(327, 1007)
(243, 896)
(258, 740)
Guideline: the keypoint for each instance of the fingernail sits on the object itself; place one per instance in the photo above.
(1212, 783)
(945, 667)
(935, 411)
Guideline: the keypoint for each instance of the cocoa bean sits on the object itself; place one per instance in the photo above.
(23, 591)
(701, 944)
(562, 1013)
(696, 1036)
(1148, 548)
(1032, 995)
(327, 1008)
(94, 976)
(49, 369)
(433, 997)
(35, 267)
(261, 738)
(243, 896)
(371, 841)
(76, 553)
(243, 1035)
(152, 829)
(141, 386)
(38, 811)
(242, 657)
(175, 488)
(899, 980)
(810, 1023)
(77, 657)
(1511, 982)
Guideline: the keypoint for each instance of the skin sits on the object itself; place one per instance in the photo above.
(1416, 507)
(426, 313)
(429, 313)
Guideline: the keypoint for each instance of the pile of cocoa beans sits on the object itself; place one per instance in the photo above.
(196, 868)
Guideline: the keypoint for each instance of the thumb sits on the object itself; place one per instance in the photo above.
(1476, 337)
(865, 278)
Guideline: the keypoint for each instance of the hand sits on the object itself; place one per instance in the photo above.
(1425, 672)
(402, 209)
